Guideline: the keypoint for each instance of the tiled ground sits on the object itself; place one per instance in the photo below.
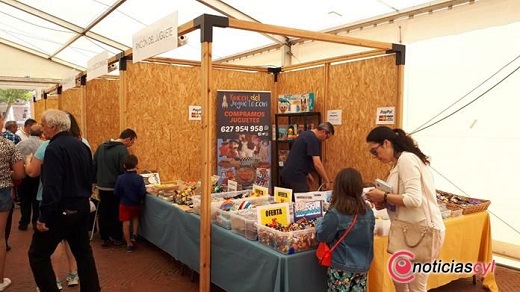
(150, 269)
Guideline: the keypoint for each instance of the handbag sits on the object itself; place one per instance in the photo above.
(421, 240)
(324, 253)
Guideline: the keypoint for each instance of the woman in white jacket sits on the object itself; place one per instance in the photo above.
(413, 198)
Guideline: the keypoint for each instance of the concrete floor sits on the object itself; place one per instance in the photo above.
(150, 269)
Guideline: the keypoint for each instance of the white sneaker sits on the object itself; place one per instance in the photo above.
(58, 283)
(5, 284)
(72, 279)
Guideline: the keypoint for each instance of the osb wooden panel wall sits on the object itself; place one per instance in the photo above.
(357, 88)
(44, 104)
(157, 103)
(72, 101)
(39, 108)
(102, 108)
(301, 81)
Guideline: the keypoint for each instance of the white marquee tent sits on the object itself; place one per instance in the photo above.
(453, 46)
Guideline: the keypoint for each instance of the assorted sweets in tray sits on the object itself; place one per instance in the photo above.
(460, 205)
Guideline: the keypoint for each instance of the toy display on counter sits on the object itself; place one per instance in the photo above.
(295, 237)
(221, 212)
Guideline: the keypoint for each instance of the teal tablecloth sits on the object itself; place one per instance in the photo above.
(237, 264)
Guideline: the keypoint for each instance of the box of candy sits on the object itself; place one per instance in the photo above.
(295, 238)
(243, 222)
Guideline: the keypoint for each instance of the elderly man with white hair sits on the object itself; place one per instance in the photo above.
(64, 210)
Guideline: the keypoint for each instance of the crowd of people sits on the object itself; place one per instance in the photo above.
(49, 169)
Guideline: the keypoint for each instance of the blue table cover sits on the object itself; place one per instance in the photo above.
(237, 264)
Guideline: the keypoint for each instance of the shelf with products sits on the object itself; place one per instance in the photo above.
(287, 128)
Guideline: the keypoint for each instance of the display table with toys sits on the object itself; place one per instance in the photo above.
(237, 263)
(240, 264)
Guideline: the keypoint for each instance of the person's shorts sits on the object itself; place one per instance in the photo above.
(128, 212)
(6, 199)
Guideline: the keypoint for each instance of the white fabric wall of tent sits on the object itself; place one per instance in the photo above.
(473, 151)
(449, 53)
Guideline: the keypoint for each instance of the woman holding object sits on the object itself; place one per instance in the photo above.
(413, 197)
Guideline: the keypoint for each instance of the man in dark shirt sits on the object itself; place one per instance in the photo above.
(65, 207)
(304, 157)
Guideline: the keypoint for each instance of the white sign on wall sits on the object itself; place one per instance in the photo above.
(334, 116)
(155, 39)
(97, 66)
(385, 115)
(195, 113)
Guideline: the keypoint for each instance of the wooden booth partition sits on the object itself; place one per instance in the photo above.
(72, 101)
(358, 88)
(303, 81)
(102, 108)
(39, 108)
(157, 103)
(44, 104)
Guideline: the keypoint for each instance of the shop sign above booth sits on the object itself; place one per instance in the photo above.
(97, 66)
(155, 39)
(69, 80)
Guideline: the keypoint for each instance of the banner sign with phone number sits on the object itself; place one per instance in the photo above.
(244, 137)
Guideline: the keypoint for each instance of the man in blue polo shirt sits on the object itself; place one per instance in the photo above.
(304, 157)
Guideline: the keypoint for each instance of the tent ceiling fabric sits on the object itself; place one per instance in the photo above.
(76, 31)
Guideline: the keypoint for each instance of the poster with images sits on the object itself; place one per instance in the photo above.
(309, 210)
(244, 137)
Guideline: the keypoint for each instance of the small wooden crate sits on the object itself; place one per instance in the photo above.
(468, 205)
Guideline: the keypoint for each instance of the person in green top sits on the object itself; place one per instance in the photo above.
(108, 165)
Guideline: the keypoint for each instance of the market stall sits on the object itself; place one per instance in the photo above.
(239, 264)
